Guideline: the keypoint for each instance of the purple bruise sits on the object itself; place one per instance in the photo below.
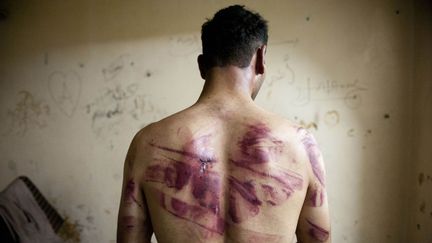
(317, 198)
(130, 193)
(256, 147)
(194, 214)
(170, 177)
(128, 222)
(321, 198)
(206, 189)
(245, 189)
(175, 175)
(177, 151)
(205, 186)
(130, 187)
(238, 211)
(313, 154)
(317, 232)
(172, 150)
(220, 225)
(232, 208)
(273, 197)
(289, 180)
(179, 207)
(184, 172)
(155, 173)
(251, 144)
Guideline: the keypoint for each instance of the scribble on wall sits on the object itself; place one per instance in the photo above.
(65, 90)
(285, 73)
(116, 105)
(349, 92)
(184, 45)
(107, 109)
(292, 42)
(28, 113)
(121, 101)
(115, 67)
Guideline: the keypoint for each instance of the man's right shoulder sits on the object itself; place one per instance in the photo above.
(156, 129)
(156, 126)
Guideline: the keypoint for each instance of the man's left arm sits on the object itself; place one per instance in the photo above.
(314, 220)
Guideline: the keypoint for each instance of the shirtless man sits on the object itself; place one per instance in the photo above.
(225, 170)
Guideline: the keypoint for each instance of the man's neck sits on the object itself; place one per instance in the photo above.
(228, 86)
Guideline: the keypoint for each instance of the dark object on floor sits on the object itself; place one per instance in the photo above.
(26, 216)
(6, 234)
(53, 216)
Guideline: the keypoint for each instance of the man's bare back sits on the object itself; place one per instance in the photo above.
(224, 170)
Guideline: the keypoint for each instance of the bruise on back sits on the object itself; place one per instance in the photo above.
(257, 148)
(250, 181)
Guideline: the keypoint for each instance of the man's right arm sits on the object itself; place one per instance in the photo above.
(134, 224)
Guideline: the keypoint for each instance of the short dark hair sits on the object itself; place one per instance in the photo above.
(232, 37)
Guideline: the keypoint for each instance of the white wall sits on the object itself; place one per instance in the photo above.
(79, 78)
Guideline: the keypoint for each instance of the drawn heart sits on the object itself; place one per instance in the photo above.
(65, 90)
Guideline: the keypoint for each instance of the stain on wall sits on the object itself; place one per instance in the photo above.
(65, 90)
(28, 113)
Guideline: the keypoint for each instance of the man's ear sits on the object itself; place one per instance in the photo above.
(260, 60)
(202, 66)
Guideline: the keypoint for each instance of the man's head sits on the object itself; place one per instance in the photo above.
(232, 37)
